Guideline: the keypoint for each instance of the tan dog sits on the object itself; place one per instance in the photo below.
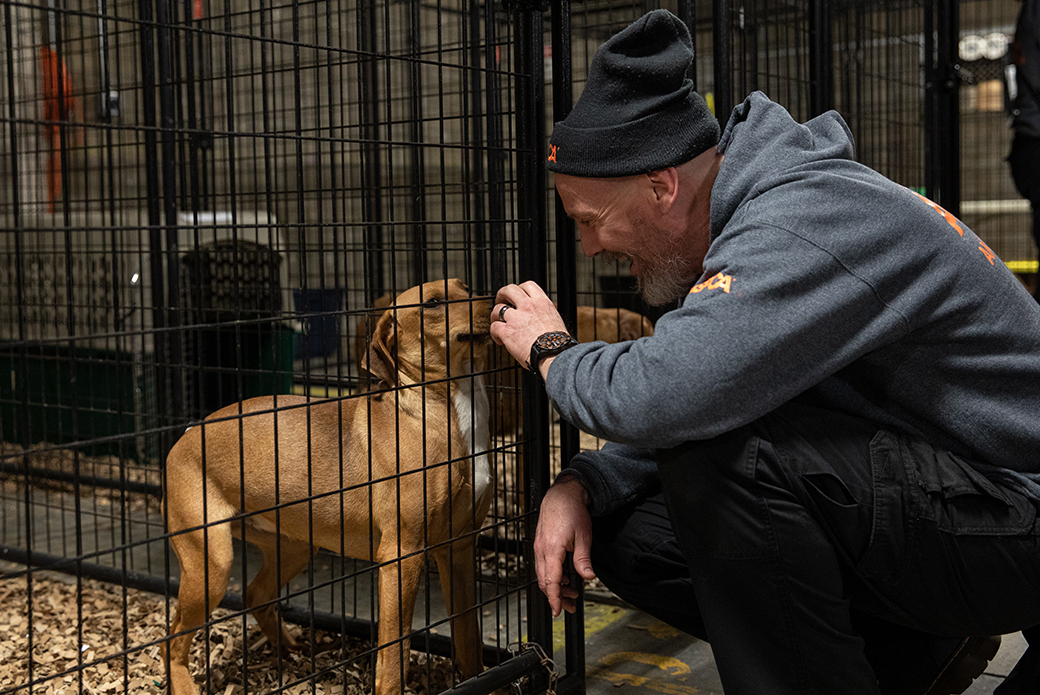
(381, 477)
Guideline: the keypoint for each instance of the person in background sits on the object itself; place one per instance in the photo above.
(826, 461)
(1024, 99)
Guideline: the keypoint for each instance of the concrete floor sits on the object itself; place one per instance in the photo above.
(628, 649)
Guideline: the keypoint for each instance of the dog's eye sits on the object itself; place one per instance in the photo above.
(433, 303)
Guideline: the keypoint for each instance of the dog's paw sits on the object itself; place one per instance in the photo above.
(292, 645)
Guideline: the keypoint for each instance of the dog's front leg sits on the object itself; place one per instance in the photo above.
(455, 564)
(398, 586)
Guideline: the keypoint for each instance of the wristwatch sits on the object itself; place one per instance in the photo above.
(547, 345)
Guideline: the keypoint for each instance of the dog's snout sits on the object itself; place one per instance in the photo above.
(475, 338)
(479, 323)
(478, 327)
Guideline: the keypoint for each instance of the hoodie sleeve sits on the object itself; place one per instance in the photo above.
(774, 315)
(614, 476)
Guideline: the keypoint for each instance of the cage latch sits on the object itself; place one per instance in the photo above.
(548, 664)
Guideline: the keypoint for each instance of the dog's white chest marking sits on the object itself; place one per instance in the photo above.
(472, 407)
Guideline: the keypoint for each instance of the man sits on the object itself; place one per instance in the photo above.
(826, 461)
(1024, 90)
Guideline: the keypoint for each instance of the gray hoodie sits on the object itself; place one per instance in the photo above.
(826, 282)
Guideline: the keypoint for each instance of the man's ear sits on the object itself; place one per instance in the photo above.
(379, 358)
(664, 187)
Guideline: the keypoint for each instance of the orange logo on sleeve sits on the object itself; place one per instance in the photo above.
(719, 281)
(950, 219)
(552, 153)
(987, 252)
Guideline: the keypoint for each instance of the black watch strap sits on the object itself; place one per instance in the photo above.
(547, 345)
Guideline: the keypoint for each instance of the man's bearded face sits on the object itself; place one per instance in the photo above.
(662, 271)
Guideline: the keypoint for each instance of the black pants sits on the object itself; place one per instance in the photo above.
(808, 546)
(1024, 159)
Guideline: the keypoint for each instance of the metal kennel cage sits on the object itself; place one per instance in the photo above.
(205, 202)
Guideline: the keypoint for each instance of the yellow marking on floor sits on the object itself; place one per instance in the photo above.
(597, 617)
(662, 631)
(670, 665)
(618, 679)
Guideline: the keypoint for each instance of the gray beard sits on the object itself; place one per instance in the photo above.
(662, 285)
(664, 280)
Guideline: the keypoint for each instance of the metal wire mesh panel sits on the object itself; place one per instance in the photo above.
(990, 204)
(208, 204)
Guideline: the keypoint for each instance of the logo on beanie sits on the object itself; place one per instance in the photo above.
(552, 153)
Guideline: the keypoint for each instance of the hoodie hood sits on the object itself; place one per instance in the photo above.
(763, 145)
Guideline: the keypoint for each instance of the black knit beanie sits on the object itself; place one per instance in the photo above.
(638, 112)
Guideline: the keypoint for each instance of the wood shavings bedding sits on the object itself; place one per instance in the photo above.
(95, 639)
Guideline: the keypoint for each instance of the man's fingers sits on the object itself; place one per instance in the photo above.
(510, 294)
(581, 558)
(498, 312)
(563, 526)
(550, 555)
(549, 568)
(528, 295)
(534, 290)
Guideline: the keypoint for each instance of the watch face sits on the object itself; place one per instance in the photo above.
(546, 345)
(548, 341)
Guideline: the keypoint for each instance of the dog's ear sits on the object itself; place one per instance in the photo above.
(379, 359)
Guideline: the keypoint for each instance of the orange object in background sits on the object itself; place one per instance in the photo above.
(58, 106)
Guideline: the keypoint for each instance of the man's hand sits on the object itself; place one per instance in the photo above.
(521, 314)
(564, 525)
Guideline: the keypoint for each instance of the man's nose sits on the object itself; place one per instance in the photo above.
(590, 245)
